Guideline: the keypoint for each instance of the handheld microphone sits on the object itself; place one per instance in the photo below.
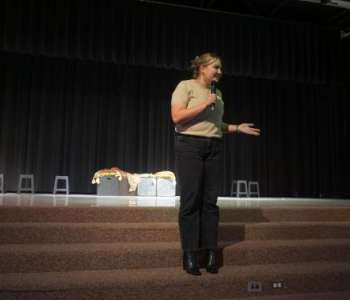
(212, 91)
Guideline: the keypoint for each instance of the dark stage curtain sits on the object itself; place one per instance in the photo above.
(168, 37)
(87, 85)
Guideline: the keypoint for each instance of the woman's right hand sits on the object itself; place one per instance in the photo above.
(211, 100)
(181, 114)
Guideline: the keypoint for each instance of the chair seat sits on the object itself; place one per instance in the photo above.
(61, 179)
(25, 183)
(253, 189)
(239, 188)
(2, 183)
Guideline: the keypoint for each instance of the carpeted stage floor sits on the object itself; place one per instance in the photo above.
(89, 247)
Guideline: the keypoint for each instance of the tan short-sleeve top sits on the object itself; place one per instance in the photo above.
(208, 123)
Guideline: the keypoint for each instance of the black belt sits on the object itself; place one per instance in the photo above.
(200, 137)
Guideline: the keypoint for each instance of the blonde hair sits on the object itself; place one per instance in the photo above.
(203, 60)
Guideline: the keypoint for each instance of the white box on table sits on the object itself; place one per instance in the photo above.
(147, 186)
(166, 187)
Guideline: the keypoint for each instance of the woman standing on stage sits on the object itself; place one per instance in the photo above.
(197, 110)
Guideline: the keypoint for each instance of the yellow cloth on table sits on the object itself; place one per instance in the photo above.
(114, 171)
(165, 175)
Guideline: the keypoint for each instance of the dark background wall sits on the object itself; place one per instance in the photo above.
(86, 85)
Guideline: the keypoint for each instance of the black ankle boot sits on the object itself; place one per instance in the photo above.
(213, 264)
(190, 264)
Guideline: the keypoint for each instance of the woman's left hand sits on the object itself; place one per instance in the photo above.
(248, 128)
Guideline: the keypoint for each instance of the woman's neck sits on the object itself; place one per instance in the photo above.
(203, 82)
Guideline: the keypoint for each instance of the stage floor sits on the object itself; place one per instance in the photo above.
(59, 200)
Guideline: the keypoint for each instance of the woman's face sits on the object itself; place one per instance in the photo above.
(212, 72)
